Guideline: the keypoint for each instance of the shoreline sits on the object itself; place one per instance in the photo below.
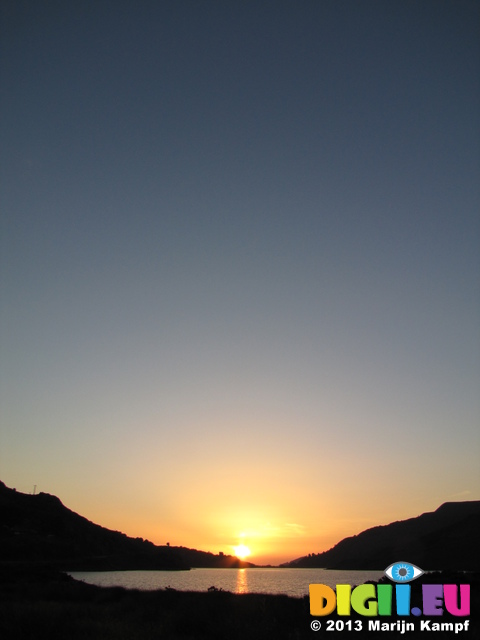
(46, 603)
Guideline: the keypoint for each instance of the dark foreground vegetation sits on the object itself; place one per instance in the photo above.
(49, 605)
(56, 607)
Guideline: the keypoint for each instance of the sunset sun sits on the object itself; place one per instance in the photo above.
(241, 551)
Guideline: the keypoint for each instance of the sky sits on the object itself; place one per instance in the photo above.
(240, 267)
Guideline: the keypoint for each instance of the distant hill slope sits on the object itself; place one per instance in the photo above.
(443, 539)
(39, 529)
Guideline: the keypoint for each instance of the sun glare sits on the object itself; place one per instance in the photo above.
(241, 551)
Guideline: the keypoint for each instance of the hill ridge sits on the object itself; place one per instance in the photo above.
(442, 539)
(39, 529)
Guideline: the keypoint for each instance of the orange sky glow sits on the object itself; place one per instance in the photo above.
(240, 266)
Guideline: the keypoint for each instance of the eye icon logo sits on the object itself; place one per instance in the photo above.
(403, 572)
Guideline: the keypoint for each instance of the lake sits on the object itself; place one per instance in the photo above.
(292, 582)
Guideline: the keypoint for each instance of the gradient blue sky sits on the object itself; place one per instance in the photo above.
(240, 264)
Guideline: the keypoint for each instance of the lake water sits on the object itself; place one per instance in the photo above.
(293, 582)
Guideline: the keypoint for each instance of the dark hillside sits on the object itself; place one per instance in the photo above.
(445, 539)
(39, 529)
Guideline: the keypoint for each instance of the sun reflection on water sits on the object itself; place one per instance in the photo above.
(242, 582)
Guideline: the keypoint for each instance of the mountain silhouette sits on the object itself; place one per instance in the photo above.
(445, 539)
(40, 530)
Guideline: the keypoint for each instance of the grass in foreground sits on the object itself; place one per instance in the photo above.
(53, 606)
